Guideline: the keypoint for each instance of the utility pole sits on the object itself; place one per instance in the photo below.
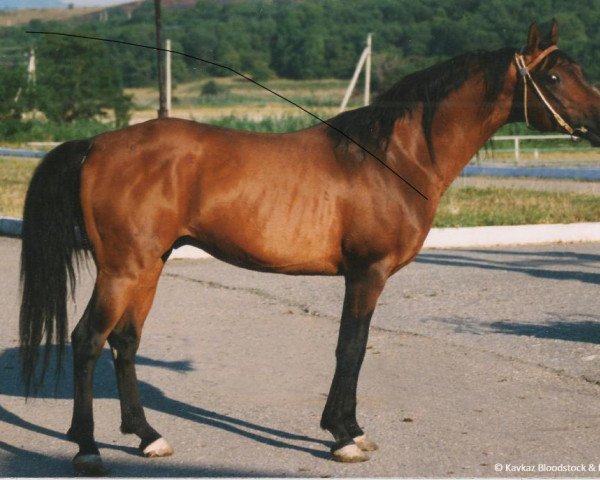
(168, 75)
(31, 67)
(162, 101)
(368, 69)
(363, 61)
(30, 76)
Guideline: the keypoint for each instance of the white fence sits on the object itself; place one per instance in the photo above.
(519, 145)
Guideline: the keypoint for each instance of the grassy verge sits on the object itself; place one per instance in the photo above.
(470, 207)
(14, 179)
(460, 207)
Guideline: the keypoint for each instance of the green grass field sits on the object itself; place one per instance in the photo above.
(242, 99)
(470, 207)
(14, 179)
(460, 207)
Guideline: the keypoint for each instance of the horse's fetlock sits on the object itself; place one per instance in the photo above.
(127, 428)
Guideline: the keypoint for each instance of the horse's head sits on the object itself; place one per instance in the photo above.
(554, 93)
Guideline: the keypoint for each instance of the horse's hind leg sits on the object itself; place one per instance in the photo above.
(104, 310)
(124, 342)
(113, 294)
(87, 347)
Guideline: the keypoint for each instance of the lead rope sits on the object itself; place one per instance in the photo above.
(524, 71)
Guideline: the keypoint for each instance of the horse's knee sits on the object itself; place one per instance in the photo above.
(87, 346)
(124, 344)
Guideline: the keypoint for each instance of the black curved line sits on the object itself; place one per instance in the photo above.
(245, 77)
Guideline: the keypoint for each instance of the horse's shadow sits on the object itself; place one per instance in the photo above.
(152, 397)
(20, 462)
(547, 264)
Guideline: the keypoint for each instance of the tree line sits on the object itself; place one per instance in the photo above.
(298, 39)
(323, 38)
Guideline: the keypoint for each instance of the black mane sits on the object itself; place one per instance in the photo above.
(371, 126)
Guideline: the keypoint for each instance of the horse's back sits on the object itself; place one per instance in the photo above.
(266, 201)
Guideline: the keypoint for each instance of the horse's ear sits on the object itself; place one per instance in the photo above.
(533, 38)
(552, 38)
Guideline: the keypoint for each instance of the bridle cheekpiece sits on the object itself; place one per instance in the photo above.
(524, 70)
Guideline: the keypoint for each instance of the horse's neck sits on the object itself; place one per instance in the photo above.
(465, 122)
(461, 126)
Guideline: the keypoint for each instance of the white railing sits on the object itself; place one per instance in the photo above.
(517, 139)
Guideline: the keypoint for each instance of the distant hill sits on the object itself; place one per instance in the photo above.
(44, 4)
(25, 4)
(11, 18)
(82, 9)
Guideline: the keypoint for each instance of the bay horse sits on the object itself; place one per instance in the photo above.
(315, 201)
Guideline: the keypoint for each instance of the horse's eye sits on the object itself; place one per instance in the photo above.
(553, 78)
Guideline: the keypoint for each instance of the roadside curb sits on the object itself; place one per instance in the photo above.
(438, 238)
(512, 235)
(10, 226)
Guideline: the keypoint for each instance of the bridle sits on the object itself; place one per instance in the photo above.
(524, 70)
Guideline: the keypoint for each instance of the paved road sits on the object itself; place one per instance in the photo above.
(476, 358)
(538, 184)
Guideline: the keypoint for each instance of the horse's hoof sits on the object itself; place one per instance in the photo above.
(350, 454)
(158, 448)
(89, 465)
(365, 444)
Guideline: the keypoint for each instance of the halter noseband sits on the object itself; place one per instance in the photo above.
(524, 70)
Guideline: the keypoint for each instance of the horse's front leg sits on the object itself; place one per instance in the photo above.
(339, 417)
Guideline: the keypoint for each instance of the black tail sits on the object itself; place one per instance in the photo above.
(51, 221)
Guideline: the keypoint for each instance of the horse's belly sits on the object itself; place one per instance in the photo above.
(273, 254)
(292, 265)
(274, 234)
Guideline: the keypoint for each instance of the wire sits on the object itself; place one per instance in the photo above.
(245, 77)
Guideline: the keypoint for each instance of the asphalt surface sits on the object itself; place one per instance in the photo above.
(480, 363)
(539, 184)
